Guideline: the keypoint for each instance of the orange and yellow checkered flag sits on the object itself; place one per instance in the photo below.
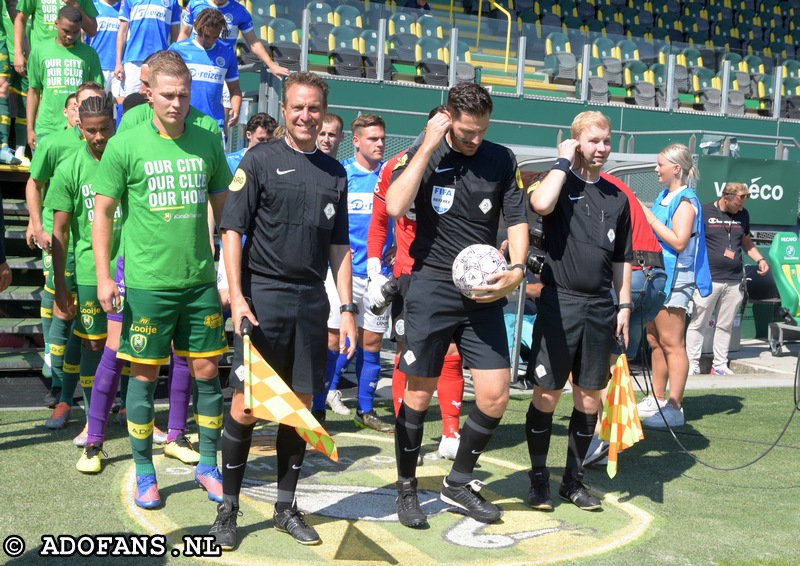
(267, 396)
(620, 426)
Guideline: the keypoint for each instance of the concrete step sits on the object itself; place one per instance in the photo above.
(27, 359)
(20, 325)
(22, 293)
(17, 262)
(15, 206)
(15, 232)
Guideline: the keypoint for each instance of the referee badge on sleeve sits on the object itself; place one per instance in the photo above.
(238, 181)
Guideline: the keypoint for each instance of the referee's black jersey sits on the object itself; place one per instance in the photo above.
(292, 206)
(589, 229)
(460, 199)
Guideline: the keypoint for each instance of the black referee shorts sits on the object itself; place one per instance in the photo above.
(292, 335)
(572, 334)
(437, 314)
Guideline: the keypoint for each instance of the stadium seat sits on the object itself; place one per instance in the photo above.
(432, 61)
(706, 88)
(630, 16)
(638, 31)
(681, 72)
(402, 47)
(638, 82)
(660, 79)
(429, 26)
(348, 15)
(699, 39)
(605, 50)
(692, 58)
(615, 29)
(577, 39)
(318, 35)
(402, 23)
(262, 12)
(321, 12)
(627, 50)
(344, 58)
(586, 11)
(647, 19)
(572, 22)
(343, 37)
(764, 92)
(790, 87)
(550, 21)
(791, 68)
(561, 67)
(557, 42)
(547, 7)
(595, 68)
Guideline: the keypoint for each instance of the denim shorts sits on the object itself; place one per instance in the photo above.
(683, 286)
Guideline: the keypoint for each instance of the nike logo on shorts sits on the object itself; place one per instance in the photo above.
(296, 467)
(534, 431)
(584, 435)
(412, 449)
(477, 452)
(575, 198)
(279, 172)
(234, 467)
(440, 170)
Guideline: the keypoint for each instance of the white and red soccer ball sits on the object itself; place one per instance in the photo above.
(474, 264)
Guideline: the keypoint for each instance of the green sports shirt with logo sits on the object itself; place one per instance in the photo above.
(163, 185)
(71, 191)
(53, 149)
(56, 72)
(45, 13)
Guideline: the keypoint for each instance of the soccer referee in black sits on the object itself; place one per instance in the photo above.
(290, 200)
(587, 230)
(459, 184)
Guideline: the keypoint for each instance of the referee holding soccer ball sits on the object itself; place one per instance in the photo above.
(458, 184)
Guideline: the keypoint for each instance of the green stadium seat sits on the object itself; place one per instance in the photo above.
(430, 26)
(692, 58)
(639, 84)
(348, 15)
(286, 54)
(606, 51)
(318, 35)
(627, 50)
(791, 68)
(343, 37)
(550, 21)
(321, 12)
(659, 75)
(402, 23)
(764, 92)
(557, 42)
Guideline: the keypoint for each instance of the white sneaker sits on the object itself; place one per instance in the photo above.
(724, 370)
(598, 450)
(694, 369)
(448, 447)
(335, 402)
(647, 407)
(672, 417)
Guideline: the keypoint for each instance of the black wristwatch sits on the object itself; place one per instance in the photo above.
(349, 307)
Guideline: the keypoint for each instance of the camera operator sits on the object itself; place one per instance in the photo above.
(587, 244)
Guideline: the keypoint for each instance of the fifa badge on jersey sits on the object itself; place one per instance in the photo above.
(220, 61)
(138, 343)
(442, 198)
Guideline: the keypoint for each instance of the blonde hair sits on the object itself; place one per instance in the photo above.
(735, 189)
(680, 155)
(168, 64)
(586, 120)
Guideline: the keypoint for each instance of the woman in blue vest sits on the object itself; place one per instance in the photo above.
(676, 219)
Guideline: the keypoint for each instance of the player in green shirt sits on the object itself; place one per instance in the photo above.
(62, 348)
(18, 82)
(55, 70)
(72, 200)
(45, 14)
(6, 155)
(144, 112)
(165, 173)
